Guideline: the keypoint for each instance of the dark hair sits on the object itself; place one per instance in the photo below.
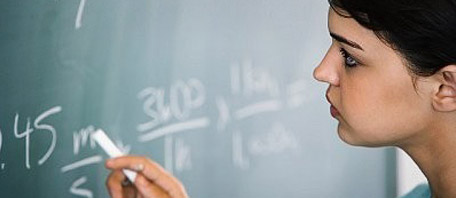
(422, 31)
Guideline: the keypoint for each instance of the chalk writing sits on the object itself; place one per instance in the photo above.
(77, 23)
(81, 163)
(257, 108)
(224, 114)
(239, 159)
(278, 140)
(174, 128)
(297, 93)
(248, 80)
(151, 97)
(76, 190)
(261, 92)
(183, 98)
(169, 153)
(124, 148)
(25, 134)
(183, 156)
(81, 138)
(49, 128)
(39, 126)
(171, 110)
(180, 157)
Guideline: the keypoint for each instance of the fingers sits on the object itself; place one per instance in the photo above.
(113, 183)
(151, 171)
(117, 188)
(129, 162)
(130, 192)
(148, 189)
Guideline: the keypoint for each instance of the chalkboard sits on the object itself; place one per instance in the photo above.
(220, 92)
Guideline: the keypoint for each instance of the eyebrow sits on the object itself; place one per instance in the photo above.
(346, 41)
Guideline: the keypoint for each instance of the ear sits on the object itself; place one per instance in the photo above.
(444, 98)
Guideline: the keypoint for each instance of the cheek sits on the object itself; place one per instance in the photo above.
(377, 113)
(359, 107)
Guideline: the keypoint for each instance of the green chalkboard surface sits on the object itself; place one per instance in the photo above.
(220, 92)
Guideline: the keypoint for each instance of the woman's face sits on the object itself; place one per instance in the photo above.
(371, 88)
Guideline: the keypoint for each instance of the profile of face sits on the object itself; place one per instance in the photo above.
(373, 95)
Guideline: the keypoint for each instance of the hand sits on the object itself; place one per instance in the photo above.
(152, 181)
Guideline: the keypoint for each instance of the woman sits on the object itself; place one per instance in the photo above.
(391, 71)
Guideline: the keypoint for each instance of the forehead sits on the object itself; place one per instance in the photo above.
(351, 30)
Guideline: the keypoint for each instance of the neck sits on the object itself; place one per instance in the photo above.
(435, 156)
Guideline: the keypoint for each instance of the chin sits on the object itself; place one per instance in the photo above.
(350, 138)
(345, 137)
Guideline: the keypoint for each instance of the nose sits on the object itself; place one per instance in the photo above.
(328, 69)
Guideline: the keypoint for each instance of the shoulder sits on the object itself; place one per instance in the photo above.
(420, 191)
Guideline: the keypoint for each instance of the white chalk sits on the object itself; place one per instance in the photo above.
(111, 149)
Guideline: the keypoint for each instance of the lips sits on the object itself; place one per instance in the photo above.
(333, 110)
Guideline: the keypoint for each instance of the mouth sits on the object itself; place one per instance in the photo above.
(333, 110)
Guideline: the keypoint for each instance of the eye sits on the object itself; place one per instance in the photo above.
(348, 59)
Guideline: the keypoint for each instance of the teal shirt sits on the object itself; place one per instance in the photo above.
(420, 191)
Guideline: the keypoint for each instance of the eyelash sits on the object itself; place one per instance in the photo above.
(347, 56)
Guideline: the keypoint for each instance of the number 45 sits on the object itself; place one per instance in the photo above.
(39, 126)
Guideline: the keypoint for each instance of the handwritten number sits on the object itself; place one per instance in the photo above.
(28, 131)
(51, 129)
(25, 134)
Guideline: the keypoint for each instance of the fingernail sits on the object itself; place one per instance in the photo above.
(138, 167)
